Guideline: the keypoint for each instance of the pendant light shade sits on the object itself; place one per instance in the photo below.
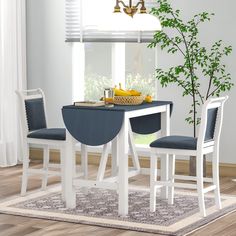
(146, 22)
(123, 22)
(116, 22)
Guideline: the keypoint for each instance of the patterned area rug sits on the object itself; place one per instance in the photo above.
(99, 207)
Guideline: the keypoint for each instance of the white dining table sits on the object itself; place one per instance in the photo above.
(120, 150)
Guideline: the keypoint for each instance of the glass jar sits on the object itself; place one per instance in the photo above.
(108, 97)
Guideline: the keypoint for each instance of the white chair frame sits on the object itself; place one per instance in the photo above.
(43, 143)
(202, 149)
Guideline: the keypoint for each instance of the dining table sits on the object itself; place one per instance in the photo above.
(95, 126)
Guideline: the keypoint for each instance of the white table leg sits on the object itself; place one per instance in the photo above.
(123, 168)
(114, 157)
(103, 163)
(69, 162)
(62, 163)
(84, 160)
(134, 154)
(165, 130)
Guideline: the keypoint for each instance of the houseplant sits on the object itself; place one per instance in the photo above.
(199, 66)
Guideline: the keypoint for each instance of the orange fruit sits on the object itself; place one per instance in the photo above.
(148, 98)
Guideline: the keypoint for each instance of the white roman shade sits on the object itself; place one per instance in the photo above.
(83, 18)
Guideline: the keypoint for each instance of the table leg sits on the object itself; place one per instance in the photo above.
(165, 130)
(84, 160)
(69, 169)
(114, 157)
(84, 164)
(134, 154)
(103, 163)
(123, 168)
(62, 159)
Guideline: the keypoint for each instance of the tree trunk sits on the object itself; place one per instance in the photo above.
(192, 166)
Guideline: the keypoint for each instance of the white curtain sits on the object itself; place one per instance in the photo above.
(12, 77)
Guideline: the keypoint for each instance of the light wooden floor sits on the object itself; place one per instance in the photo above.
(10, 179)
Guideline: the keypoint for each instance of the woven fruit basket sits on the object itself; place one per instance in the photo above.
(128, 100)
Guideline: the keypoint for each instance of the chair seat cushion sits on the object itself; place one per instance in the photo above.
(52, 134)
(175, 142)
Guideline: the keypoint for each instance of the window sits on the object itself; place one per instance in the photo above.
(140, 68)
(134, 68)
(98, 70)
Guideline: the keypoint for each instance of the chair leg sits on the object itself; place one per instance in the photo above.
(164, 174)
(153, 178)
(25, 170)
(45, 167)
(171, 179)
(216, 178)
(200, 185)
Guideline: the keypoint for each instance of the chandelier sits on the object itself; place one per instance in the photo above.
(131, 17)
(130, 9)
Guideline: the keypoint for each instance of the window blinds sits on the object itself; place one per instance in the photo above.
(82, 18)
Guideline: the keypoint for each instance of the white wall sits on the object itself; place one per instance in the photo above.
(49, 61)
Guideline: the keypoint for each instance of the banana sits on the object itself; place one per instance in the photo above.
(122, 92)
(134, 92)
(119, 92)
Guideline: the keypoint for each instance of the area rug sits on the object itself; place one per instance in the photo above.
(99, 207)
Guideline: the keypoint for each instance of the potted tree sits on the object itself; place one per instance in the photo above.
(199, 63)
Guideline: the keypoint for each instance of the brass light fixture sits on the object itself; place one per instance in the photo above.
(130, 17)
(130, 9)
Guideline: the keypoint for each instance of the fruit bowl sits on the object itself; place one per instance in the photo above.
(128, 100)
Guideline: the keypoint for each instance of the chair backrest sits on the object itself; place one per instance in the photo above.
(211, 122)
(32, 110)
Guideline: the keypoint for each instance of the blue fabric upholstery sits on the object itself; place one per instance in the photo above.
(211, 123)
(52, 134)
(176, 142)
(93, 127)
(35, 114)
(149, 124)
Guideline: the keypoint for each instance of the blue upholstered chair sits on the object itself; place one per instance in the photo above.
(34, 130)
(206, 143)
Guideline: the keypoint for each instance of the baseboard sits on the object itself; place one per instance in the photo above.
(182, 166)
